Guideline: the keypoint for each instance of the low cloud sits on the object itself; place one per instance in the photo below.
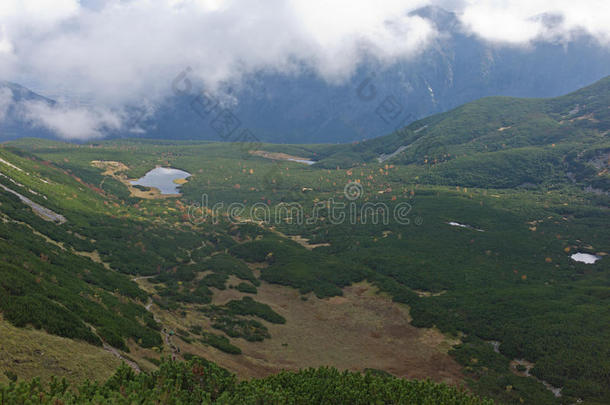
(6, 100)
(71, 123)
(519, 22)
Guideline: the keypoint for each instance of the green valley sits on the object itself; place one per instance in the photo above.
(469, 281)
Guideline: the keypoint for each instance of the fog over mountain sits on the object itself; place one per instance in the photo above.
(380, 98)
(291, 71)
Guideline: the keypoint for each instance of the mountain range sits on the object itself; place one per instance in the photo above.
(378, 98)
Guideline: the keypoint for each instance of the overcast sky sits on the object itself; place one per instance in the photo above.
(120, 52)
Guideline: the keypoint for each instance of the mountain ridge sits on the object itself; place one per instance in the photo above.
(569, 131)
(300, 107)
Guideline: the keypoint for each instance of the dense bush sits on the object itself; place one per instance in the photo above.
(220, 342)
(246, 288)
(228, 265)
(200, 382)
(247, 306)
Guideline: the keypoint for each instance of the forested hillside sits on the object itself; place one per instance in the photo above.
(502, 142)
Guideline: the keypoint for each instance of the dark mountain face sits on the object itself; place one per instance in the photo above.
(13, 124)
(456, 69)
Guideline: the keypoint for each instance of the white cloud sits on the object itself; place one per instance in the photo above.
(5, 46)
(126, 50)
(71, 123)
(519, 22)
(6, 99)
(115, 53)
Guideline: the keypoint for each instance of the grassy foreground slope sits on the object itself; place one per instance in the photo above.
(201, 382)
(28, 353)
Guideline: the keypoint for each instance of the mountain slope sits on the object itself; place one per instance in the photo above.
(302, 108)
(502, 142)
(48, 279)
(13, 123)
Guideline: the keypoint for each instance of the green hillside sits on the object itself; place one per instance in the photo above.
(46, 279)
(503, 142)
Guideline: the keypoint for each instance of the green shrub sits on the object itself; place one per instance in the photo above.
(246, 288)
(220, 342)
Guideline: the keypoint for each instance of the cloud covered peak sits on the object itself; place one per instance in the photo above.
(121, 53)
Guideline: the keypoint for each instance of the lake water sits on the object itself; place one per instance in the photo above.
(163, 179)
(305, 161)
(585, 258)
(453, 223)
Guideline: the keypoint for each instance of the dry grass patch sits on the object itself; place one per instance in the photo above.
(361, 329)
(34, 353)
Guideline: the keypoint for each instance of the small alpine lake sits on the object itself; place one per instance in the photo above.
(166, 179)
